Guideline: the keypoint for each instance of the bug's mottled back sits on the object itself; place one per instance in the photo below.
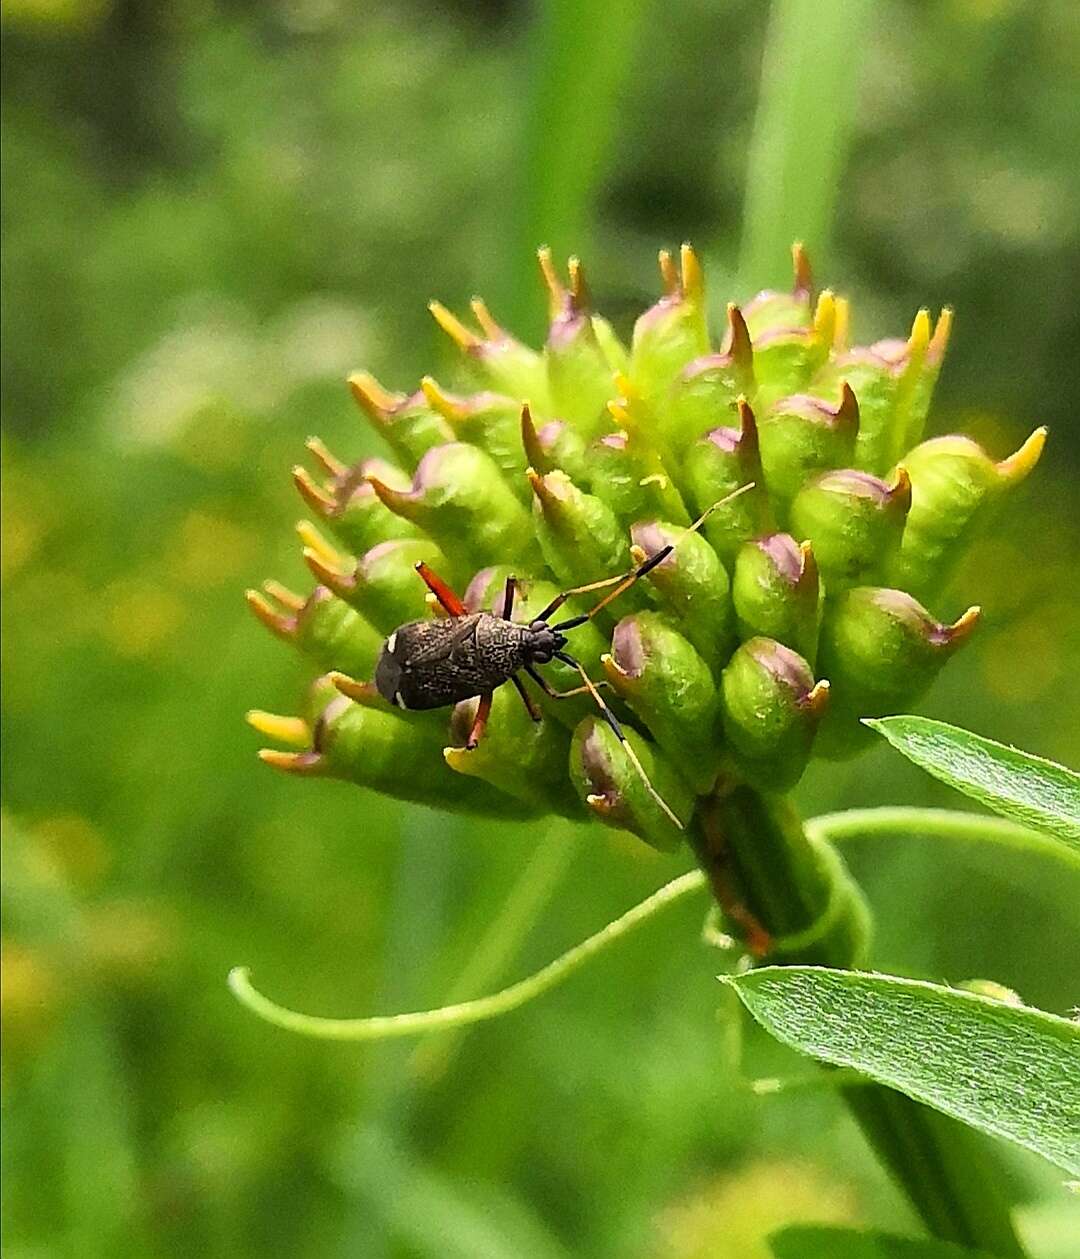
(430, 664)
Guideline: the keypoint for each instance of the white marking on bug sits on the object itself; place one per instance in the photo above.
(398, 700)
(391, 642)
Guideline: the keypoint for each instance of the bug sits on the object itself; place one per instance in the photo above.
(467, 655)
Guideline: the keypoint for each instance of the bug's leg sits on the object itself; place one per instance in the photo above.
(624, 581)
(552, 693)
(441, 591)
(526, 698)
(613, 722)
(509, 591)
(483, 712)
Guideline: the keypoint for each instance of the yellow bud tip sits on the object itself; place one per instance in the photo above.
(920, 335)
(484, 318)
(669, 273)
(1018, 465)
(556, 292)
(638, 554)
(747, 422)
(333, 465)
(842, 327)
(808, 562)
(286, 597)
(939, 342)
(275, 621)
(396, 500)
(306, 763)
(313, 540)
(693, 278)
(964, 627)
(800, 265)
(599, 804)
(825, 317)
(616, 674)
(378, 402)
(453, 327)
(900, 489)
(448, 407)
(313, 494)
(580, 296)
(341, 583)
(294, 731)
(456, 758)
(817, 699)
(360, 692)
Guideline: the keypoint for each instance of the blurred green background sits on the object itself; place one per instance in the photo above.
(212, 212)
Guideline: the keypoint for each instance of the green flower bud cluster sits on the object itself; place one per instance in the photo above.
(800, 607)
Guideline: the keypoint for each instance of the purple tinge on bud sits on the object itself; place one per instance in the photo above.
(854, 521)
(772, 708)
(955, 486)
(488, 420)
(508, 366)
(407, 422)
(672, 332)
(881, 649)
(776, 592)
(717, 465)
(706, 389)
(579, 373)
(460, 499)
(803, 435)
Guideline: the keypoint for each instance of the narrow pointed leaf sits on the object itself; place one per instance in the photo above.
(1008, 1070)
(1015, 784)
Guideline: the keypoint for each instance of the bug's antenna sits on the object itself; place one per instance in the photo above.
(613, 722)
(624, 581)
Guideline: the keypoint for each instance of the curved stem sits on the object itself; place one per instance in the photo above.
(755, 846)
(415, 1023)
(937, 824)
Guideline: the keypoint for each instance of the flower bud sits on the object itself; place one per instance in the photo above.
(555, 446)
(773, 310)
(503, 363)
(407, 423)
(802, 435)
(664, 680)
(715, 466)
(777, 594)
(854, 522)
(611, 787)
(673, 331)
(704, 393)
(631, 479)
(322, 627)
(487, 420)
(692, 586)
(893, 381)
(383, 586)
(580, 535)
(524, 758)
(785, 359)
(371, 745)
(579, 374)
(772, 708)
(881, 650)
(348, 504)
(954, 485)
(459, 498)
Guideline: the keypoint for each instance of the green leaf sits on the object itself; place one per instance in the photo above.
(1015, 784)
(803, 1241)
(1007, 1070)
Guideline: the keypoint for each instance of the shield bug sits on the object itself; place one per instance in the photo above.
(465, 655)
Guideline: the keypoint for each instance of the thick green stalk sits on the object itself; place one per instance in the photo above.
(757, 855)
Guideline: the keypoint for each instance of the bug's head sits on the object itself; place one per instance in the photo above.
(544, 641)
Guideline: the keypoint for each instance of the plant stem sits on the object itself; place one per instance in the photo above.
(754, 850)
